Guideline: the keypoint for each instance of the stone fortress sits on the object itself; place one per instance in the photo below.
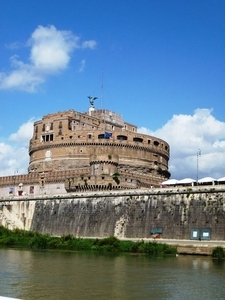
(92, 151)
(91, 175)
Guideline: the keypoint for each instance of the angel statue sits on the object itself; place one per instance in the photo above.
(92, 99)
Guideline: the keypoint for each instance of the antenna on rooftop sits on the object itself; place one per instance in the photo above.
(102, 92)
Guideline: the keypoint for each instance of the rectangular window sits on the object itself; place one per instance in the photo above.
(31, 189)
(47, 137)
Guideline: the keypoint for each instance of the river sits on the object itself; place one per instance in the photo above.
(57, 275)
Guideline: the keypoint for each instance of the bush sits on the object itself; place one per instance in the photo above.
(38, 242)
(218, 253)
(107, 244)
(35, 240)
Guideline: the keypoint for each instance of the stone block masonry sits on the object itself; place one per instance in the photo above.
(124, 214)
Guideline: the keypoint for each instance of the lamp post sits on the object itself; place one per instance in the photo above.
(198, 155)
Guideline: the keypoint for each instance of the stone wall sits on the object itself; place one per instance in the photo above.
(125, 214)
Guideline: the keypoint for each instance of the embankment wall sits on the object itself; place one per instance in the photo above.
(124, 214)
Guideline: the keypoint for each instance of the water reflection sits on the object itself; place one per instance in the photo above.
(70, 275)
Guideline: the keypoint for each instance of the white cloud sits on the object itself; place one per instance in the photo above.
(82, 65)
(188, 133)
(50, 53)
(24, 134)
(14, 157)
(89, 44)
(51, 48)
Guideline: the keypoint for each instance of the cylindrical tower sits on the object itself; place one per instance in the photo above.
(100, 142)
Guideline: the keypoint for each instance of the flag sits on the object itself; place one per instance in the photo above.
(107, 135)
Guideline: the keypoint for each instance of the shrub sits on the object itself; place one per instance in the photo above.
(38, 242)
(35, 240)
(218, 253)
(107, 244)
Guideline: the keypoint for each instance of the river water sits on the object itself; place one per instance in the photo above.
(53, 275)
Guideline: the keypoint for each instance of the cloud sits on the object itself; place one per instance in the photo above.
(82, 65)
(14, 157)
(50, 53)
(188, 133)
(24, 134)
(89, 44)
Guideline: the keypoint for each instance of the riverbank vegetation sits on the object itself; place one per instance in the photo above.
(218, 253)
(33, 240)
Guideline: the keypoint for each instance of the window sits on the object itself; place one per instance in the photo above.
(69, 124)
(47, 137)
(101, 136)
(121, 137)
(138, 139)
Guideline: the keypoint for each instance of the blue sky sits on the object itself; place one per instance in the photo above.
(161, 64)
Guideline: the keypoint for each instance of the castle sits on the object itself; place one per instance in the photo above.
(90, 175)
(91, 151)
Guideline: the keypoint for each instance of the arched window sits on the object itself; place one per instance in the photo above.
(121, 137)
(138, 139)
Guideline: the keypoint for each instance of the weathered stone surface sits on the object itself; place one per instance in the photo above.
(124, 215)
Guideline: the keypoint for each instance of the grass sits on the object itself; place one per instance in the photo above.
(34, 240)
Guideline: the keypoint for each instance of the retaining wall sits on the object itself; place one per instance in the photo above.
(123, 214)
